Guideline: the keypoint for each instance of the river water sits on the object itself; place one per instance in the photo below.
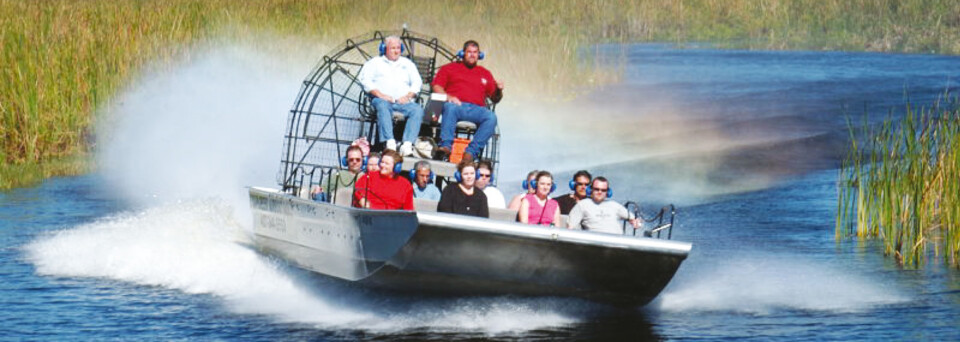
(155, 244)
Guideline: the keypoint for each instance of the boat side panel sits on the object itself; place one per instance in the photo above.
(441, 259)
(342, 242)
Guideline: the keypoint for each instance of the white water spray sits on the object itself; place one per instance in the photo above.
(764, 284)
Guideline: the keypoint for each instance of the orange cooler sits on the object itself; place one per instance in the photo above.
(459, 146)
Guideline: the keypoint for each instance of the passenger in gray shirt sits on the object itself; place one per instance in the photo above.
(600, 214)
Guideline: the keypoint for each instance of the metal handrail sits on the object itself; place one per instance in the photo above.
(663, 222)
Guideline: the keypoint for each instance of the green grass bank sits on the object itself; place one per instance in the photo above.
(901, 184)
(62, 60)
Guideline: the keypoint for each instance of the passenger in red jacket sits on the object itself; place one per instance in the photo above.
(384, 189)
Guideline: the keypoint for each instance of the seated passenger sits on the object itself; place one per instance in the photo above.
(600, 214)
(537, 208)
(373, 163)
(423, 181)
(531, 179)
(393, 82)
(342, 179)
(484, 178)
(467, 86)
(463, 197)
(384, 189)
(579, 185)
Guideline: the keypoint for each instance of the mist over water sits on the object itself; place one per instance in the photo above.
(208, 127)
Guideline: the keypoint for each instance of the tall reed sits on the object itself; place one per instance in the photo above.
(900, 183)
(62, 59)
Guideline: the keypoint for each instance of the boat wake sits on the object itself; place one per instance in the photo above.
(197, 247)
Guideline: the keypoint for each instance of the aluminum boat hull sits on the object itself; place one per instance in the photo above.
(442, 253)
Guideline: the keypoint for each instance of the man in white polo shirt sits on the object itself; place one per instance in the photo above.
(393, 83)
(600, 214)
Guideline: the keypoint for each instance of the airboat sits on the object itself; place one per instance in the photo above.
(425, 251)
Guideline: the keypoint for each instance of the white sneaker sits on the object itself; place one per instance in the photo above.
(392, 144)
(406, 149)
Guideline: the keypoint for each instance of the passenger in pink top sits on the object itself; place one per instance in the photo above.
(538, 208)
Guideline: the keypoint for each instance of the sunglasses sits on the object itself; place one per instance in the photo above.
(600, 189)
(354, 159)
(583, 184)
(480, 175)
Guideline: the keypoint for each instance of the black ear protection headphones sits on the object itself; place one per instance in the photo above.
(383, 47)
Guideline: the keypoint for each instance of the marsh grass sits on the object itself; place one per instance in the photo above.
(901, 184)
(63, 59)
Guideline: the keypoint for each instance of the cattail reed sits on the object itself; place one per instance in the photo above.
(900, 184)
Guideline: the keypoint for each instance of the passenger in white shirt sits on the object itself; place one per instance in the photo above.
(484, 178)
(600, 214)
(393, 84)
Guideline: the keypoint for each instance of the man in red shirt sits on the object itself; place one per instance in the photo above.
(384, 189)
(467, 86)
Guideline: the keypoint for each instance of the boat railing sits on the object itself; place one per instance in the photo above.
(305, 177)
(662, 221)
(332, 110)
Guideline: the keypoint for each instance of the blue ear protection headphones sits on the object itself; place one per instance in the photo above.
(413, 175)
(590, 191)
(397, 167)
(403, 48)
(343, 162)
(533, 184)
(573, 185)
(491, 177)
(459, 178)
(460, 54)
